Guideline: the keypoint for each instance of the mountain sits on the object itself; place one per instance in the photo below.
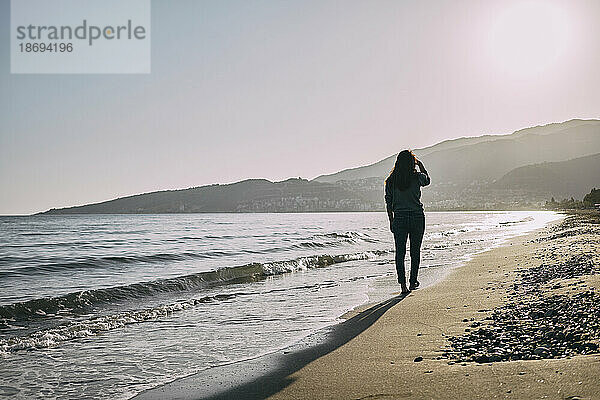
(252, 195)
(489, 157)
(515, 171)
(555, 179)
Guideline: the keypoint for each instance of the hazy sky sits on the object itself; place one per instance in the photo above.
(278, 89)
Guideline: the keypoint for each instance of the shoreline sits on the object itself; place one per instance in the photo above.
(440, 210)
(505, 241)
(404, 354)
(265, 375)
(268, 374)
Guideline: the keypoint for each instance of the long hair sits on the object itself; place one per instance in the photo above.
(403, 172)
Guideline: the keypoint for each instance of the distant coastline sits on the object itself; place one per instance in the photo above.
(519, 171)
(58, 212)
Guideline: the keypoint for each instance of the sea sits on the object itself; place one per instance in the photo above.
(106, 306)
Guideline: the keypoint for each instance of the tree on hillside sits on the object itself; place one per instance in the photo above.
(593, 197)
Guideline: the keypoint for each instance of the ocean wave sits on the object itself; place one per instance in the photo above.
(344, 235)
(98, 262)
(526, 219)
(79, 301)
(352, 235)
(334, 239)
(53, 336)
(37, 233)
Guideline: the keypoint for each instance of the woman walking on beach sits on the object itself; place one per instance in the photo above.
(405, 211)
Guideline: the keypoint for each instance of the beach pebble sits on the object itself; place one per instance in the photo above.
(540, 351)
(418, 359)
(495, 358)
(481, 358)
(534, 323)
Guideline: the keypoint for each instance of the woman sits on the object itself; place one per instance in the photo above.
(405, 211)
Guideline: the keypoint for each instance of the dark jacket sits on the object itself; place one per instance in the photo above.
(406, 200)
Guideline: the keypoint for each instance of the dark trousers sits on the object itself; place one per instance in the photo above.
(408, 225)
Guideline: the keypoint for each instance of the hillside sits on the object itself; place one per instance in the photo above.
(488, 161)
(559, 179)
(519, 170)
(466, 159)
(253, 195)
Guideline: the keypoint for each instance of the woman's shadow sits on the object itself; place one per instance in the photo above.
(261, 377)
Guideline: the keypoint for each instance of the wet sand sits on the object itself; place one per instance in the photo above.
(403, 348)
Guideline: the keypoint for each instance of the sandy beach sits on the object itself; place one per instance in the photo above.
(519, 321)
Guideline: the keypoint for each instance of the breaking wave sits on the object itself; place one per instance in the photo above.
(79, 301)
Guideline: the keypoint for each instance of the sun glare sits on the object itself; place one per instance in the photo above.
(529, 38)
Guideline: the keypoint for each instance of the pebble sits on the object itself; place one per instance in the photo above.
(535, 324)
(540, 351)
